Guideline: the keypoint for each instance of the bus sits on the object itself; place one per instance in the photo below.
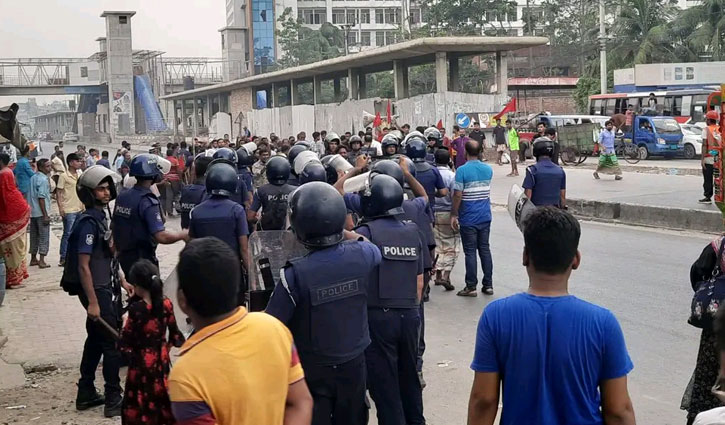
(684, 105)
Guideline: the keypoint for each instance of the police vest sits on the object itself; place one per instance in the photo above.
(215, 217)
(240, 195)
(129, 227)
(330, 325)
(191, 196)
(395, 285)
(101, 255)
(274, 200)
(420, 217)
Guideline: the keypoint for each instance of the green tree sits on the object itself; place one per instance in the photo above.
(585, 87)
(701, 30)
(467, 17)
(301, 45)
(641, 33)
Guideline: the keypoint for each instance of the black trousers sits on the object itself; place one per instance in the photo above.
(338, 392)
(707, 170)
(99, 343)
(391, 363)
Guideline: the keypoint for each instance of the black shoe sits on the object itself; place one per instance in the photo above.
(487, 290)
(426, 298)
(113, 407)
(86, 399)
(704, 201)
(467, 292)
(422, 381)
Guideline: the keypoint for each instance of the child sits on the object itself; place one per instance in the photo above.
(143, 340)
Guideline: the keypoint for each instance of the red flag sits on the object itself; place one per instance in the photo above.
(377, 121)
(440, 124)
(390, 115)
(510, 107)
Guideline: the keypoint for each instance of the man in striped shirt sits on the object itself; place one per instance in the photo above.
(471, 213)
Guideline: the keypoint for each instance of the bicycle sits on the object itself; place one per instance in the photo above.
(625, 149)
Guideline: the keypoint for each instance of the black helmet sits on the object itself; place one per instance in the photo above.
(91, 179)
(543, 146)
(221, 179)
(226, 155)
(245, 155)
(383, 197)
(317, 215)
(145, 166)
(277, 170)
(415, 148)
(390, 168)
(313, 172)
(355, 139)
(293, 152)
(304, 143)
(389, 140)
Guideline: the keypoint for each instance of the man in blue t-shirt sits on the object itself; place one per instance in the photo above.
(562, 360)
(471, 213)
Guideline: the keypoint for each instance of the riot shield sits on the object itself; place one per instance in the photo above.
(270, 251)
(519, 206)
(171, 284)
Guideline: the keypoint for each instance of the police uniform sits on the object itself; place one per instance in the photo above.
(248, 178)
(90, 236)
(240, 194)
(430, 178)
(136, 218)
(293, 180)
(273, 201)
(546, 181)
(394, 319)
(327, 315)
(191, 196)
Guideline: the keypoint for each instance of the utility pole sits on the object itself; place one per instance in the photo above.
(602, 50)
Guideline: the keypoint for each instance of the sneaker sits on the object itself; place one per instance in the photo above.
(87, 399)
(487, 290)
(704, 201)
(596, 175)
(618, 177)
(467, 292)
(422, 381)
(113, 408)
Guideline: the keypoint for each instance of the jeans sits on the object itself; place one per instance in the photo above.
(475, 238)
(68, 221)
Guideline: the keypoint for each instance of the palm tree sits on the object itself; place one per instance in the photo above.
(703, 29)
(641, 32)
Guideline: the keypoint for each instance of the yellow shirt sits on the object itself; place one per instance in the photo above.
(70, 202)
(235, 372)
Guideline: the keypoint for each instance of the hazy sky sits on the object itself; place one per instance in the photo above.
(68, 28)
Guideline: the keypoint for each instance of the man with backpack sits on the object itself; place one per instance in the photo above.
(272, 197)
(88, 274)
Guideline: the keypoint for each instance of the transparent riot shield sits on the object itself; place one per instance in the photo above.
(270, 251)
(171, 284)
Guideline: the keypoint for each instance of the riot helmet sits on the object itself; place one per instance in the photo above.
(91, 179)
(225, 155)
(329, 169)
(304, 143)
(389, 141)
(543, 146)
(432, 134)
(245, 155)
(317, 215)
(277, 170)
(355, 139)
(382, 197)
(390, 168)
(221, 179)
(314, 171)
(145, 167)
(415, 147)
(293, 152)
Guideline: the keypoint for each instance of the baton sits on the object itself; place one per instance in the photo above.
(265, 269)
(114, 333)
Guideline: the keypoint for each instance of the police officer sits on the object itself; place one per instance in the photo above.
(137, 223)
(221, 217)
(242, 195)
(272, 197)
(193, 194)
(291, 156)
(245, 159)
(90, 253)
(426, 174)
(435, 141)
(322, 298)
(393, 304)
(314, 171)
(390, 145)
(545, 182)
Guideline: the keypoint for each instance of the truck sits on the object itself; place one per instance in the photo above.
(655, 136)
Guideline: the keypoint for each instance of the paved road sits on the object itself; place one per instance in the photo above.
(641, 275)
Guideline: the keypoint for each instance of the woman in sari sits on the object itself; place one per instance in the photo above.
(14, 219)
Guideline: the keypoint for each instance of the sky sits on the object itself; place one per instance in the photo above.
(68, 28)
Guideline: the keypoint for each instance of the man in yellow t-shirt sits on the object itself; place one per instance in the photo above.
(239, 368)
(69, 206)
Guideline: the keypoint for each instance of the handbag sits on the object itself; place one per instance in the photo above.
(709, 294)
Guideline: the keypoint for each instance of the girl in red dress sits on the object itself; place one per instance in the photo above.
(144, 342)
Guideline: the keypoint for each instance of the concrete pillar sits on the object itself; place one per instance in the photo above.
(502, 80)
(270, 96)
(336, 88)
(400, 79)
(362, 83)
(352, 84)
(316, 90)
(273, 102)
(183, 116)
(441, 72)
(119, 63)
(294, 94)
(176, 119)
(453, 73)
(194, 120)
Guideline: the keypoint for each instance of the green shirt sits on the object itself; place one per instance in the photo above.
(513, 139)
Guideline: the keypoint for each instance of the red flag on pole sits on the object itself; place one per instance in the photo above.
(510, 107)
(390, 115)
(377, 121)
(440, 124)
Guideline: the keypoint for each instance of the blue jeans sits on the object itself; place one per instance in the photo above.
(68, 221)
(475, 238)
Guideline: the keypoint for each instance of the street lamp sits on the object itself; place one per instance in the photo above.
(346, 29)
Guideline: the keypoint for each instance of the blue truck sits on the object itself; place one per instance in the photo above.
(655, 136)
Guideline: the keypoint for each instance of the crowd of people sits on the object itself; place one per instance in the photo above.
(383, 218)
